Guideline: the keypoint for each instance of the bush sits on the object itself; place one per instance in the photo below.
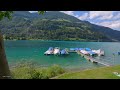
(54, 71)
(28, 71)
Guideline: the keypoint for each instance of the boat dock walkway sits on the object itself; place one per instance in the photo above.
(94, 60)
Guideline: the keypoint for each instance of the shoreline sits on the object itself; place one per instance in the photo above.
(60, 40)
(58, 72)
(67, 69)
(106, 72)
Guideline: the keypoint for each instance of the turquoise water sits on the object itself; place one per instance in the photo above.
(34, 51)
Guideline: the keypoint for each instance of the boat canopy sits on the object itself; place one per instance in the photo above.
(72, 49)
(63, 51)
(76, 48)
(81, 48)
(50, 48)
(87, 49)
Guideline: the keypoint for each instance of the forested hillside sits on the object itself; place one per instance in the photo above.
(54, 25)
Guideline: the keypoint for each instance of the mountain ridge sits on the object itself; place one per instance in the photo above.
(54, 25)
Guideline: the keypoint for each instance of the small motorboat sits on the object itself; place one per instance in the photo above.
(49, 51)
(64, 52)
(84, 52)
(92, 53)
(56, 51)
(99, 52)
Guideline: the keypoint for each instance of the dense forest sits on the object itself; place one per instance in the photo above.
(54, 25)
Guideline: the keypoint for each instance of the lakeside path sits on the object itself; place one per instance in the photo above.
(99, 73)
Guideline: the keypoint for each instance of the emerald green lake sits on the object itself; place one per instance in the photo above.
(26, 50)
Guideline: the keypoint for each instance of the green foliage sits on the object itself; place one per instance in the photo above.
(99, 73)
(7, 14)
(41, 12)
(29, 71)
(54, 26)
(54, 71)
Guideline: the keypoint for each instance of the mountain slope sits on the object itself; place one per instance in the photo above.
(48, 15)
(56, 26)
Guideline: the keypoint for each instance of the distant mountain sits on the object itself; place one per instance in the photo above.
(54, 25)
(48, 15)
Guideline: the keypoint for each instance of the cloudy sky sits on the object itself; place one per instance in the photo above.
(105, 18)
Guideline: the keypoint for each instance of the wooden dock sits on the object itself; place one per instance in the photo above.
(94, 60)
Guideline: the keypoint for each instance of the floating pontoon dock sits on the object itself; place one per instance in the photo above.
(87, 53)
(93, 59)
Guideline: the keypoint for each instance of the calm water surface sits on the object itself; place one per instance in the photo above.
(17, 51)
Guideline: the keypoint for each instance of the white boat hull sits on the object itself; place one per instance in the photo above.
(56, 51)
(48, 52)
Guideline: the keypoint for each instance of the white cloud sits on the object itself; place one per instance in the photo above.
(83, 17)
(76, 16)
(111, 24)
(68, 12)
(106, 17)
(33, 11)
(109, 19)
(102, 15)
(117, 16)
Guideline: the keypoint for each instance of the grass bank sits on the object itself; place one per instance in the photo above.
(29, 71)
(99, 73)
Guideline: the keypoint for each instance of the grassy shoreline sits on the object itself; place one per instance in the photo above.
(99, 73)
(60, 40)
(29, 70)
(22, 69)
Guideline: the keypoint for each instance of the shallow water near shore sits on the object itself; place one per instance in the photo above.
(33, 51)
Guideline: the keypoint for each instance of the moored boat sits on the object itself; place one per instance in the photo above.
(49, 51)
(64, 52)
(99, 52)
(92, 53)
(56, 51)
(84, 52)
